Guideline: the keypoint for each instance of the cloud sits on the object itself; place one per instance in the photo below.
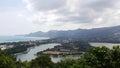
(57, 14)
(44, 5)
(101, 5)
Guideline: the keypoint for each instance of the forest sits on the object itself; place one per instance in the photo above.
(96, 57)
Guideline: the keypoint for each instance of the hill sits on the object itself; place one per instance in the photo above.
(106, 34)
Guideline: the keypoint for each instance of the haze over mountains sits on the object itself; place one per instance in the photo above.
(106, 34)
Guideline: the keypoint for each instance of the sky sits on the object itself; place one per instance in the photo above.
(25, 16)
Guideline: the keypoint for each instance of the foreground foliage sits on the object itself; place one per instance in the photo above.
(97, 57)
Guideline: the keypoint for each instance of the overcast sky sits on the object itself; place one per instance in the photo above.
(25, 16)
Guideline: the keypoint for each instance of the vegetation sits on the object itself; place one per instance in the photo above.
(17, 49)
(97, 57)
(67, 43)
(42, 62)
(21, 47)
(68, 46)
(6, 61)
(81, 45)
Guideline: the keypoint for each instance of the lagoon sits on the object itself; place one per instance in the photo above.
(33, 51)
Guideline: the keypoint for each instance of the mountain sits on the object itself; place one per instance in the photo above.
(37, 34)
(106, 34)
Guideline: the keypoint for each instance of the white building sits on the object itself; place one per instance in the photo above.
(2, 47)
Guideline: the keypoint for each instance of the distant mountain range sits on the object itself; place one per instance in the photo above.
(106, 34)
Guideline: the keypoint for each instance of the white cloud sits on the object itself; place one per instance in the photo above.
(44, 5)
(47, 15)
(72, 14)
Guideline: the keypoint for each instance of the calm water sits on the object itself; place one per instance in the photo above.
(31, 54)
(109, 45)
(19, 38)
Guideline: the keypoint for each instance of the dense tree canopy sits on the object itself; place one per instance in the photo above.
(6, 61)
(42, 62)
(97, 57)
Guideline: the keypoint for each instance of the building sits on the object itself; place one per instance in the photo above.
(2, 47)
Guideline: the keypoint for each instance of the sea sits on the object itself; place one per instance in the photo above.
(20, 38)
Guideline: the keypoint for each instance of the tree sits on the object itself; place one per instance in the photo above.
(42, 62)
(103, 57)
(115, 55)
(7, 62)
(67, 63)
